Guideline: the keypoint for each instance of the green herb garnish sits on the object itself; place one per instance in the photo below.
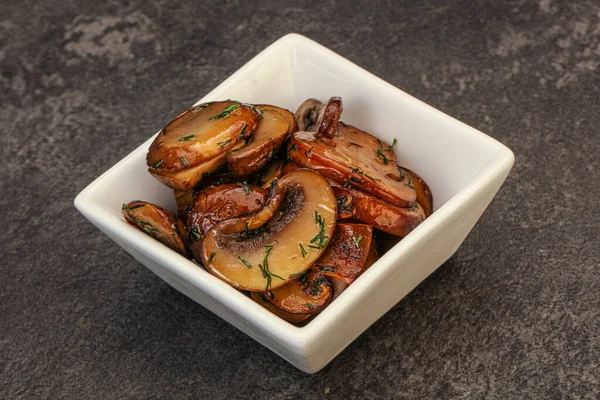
(224, 143)
(320, 238)
(183, 139)
(183, 162)
(311, 306)
(347, 184)
(246, 187)
(409, 184)
(243, 131)
(357, 240)
(264, 268)
(302, 250)
(246, 263)
(195, 234)
(126, 207)
(212, 257)
(228, 110)
(157, 164)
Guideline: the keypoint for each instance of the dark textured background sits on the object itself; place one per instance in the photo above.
(515, 313)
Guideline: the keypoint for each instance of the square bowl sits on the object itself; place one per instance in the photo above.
(463, 167)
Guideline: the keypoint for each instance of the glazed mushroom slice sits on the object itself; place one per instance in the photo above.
(346, 256)
(267, 249)
(424, 197)
(287, 114)
(272, 171)
(201, 133)
(366, 208)
(309, 294)
(307, 115)
(272, 130)
(329, 116)
(183, 199)
(218, 203)
(260, 298)
(157, 222)
(186, 179)
(340, 285)
(355, 160)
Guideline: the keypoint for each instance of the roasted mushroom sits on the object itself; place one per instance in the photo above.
(157, 222)
(347, 254)
(218, 203)
(267, 249)
(183, 199)
(355, 159)
(260, 298)
(366, 208)
(307, 115)
(272, 171)
(424, 196)
(274, 127)
(329, 117)
(187, 178)
(197, 141)
(309, 294)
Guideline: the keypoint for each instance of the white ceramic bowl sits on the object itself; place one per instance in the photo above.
(464, 168)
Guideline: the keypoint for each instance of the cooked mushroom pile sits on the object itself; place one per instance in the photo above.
(291, 209)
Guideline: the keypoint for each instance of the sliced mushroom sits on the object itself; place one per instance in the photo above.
(289, 117)
(339, 285)
(218, 203)
(201, 133)
(366, 208)
(309, 294)
(346, 256)
(272, 130)
(355, 159)
(329, 117)
(267, 249)
(272, 171)
(307, 114)
(183, 199)
(424, 197)
(260, 298)
(186, 179)
(157, 222)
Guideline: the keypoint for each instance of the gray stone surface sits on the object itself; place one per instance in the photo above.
(515, 313)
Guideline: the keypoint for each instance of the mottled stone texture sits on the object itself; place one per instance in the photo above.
(514, 314)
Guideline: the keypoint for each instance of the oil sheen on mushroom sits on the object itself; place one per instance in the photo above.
(267, 249)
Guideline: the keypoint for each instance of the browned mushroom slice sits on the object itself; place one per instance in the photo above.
(260, 298)
(354, 160)
(287, 114)
(272, 171)
(157, 222)
(265, 250)
(329, 116)
(272, 130)
(309, 294)
(307, 114)
(183, 199)
(186, 179)
(424, 197)
(201, 133)
(346, 255)
(218, 203)
(366, 208)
